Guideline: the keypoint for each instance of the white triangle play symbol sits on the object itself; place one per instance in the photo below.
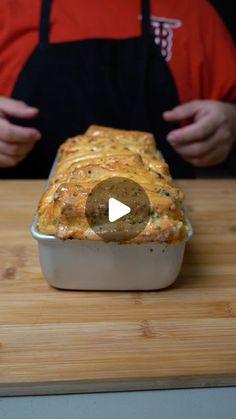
(117, 209)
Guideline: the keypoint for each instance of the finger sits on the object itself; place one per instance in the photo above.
(195, 150)
(201, 148)
(198, 131)
(187, 110)
(211, 159)
(14, 133)
(15, 149)
(9, 161)
(17, 108)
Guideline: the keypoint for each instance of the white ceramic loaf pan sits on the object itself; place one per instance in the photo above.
(92, 265)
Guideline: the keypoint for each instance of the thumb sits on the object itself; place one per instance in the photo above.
(185, 111)
(12, 107)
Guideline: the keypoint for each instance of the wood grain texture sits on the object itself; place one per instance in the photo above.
(55, 341)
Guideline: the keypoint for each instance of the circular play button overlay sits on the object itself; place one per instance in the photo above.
(117, 209)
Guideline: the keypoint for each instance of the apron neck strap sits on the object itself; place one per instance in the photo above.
(145, 19)
(44, 25)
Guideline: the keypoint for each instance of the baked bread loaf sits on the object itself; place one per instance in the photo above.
(99, 154)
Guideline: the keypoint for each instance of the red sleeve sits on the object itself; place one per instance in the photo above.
(18, 36)
(203, 55)
(219, 52)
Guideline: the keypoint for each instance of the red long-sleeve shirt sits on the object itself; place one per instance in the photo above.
(192, 37)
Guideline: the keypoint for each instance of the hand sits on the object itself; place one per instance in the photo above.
(210, 134)
(15, 141)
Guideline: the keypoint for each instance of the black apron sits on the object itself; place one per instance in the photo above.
(121, 83)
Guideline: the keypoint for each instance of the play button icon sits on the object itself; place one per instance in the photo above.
(117, 209)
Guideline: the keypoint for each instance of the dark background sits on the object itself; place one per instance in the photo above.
(225, 9)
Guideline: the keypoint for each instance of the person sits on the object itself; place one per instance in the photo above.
(160, 66)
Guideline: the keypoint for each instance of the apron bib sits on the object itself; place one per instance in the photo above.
(123, 84)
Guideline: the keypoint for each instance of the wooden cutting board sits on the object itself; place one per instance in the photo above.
(55, 341)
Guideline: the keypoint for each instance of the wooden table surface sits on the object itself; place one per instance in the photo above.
(55, 341)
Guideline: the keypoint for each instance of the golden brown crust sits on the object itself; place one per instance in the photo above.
(99, 154)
